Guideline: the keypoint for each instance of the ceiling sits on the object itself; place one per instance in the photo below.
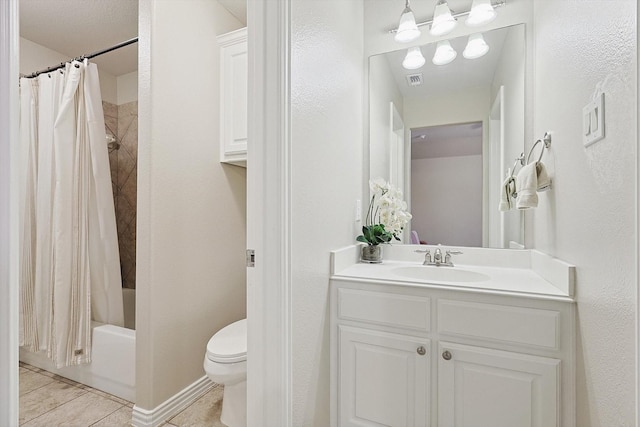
(79, 27)
(237, 8)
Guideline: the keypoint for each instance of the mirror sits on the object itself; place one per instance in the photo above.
(447, 135)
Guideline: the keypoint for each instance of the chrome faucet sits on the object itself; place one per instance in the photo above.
(437, 257)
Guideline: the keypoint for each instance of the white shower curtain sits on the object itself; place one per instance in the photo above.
(69, 267)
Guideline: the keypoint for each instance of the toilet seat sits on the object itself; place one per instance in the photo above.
(229, 344)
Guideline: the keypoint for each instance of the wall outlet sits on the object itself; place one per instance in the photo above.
(593, 121)
(358, 210)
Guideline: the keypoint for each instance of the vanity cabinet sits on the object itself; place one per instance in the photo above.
(478, 386)
(233, 97)
(421, 355)
(384, 378)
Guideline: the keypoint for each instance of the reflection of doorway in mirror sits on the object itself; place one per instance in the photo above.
(494, 237)
(397, 156)
(396, 148)
(447, 183)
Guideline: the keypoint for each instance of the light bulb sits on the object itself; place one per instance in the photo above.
(476, 47)
(443, 21)
(482, 12)
(407, 31)
(414, 59)
(444, 53)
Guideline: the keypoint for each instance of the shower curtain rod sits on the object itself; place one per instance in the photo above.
(80, 58)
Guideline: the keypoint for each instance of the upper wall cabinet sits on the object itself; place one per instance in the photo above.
(233, 97)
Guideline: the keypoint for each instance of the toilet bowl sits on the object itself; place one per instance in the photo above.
(226, 363)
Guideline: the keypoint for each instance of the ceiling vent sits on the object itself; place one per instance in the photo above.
(414, 79)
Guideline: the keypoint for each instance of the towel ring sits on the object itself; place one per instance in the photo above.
(546, 140)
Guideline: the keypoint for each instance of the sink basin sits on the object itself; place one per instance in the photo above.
(440, 274)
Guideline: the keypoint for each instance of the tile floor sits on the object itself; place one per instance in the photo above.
(48, 400)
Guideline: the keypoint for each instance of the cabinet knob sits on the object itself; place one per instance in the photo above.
(446, 355)
(421, 351)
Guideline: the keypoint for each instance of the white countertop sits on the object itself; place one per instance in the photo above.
(549, 278)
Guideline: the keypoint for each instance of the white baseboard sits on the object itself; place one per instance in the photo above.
(172, 406)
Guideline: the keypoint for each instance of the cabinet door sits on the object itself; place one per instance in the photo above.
(233, 114)
(479, 387)
(383, 379)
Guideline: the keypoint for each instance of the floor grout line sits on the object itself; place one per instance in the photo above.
(54, 408)
(79, 386)
(107, 415)
(95, 392)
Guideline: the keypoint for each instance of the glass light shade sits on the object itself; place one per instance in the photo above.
(414, 59)
(476, 47)
(482, 12)
(443, 21)
(408, 31)
(444, 53)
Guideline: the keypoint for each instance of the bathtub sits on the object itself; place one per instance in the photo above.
(113, 365)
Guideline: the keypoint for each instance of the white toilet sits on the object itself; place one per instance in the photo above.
(226, 363)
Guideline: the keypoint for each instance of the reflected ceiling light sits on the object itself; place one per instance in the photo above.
(443, 21)
(407, 31)
(482, 12)
(444, 53)
(414, 59)
(476, 47)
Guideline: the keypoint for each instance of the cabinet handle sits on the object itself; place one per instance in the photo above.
(446, 355)
(421, 351)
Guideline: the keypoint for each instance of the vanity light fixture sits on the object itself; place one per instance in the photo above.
(407, 30)
(443, 21)
(444, 53)
(414, 59)
(482, 12)
(476, 47)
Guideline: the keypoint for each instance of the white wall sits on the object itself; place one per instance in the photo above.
(446, 200)
(127, 88)
(588, 218)
(383, 91)
(327, 73)
(464, 106)
(191, 232)
(35, 57)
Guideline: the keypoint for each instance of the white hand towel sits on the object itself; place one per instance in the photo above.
(526, 186)
(508, 188)
(544, 182)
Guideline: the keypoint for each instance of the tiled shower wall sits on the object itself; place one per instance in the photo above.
(122, 121)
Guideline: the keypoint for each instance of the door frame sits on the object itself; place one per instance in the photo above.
(269, 376)
(9, 122)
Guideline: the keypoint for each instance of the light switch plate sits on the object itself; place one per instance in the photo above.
(593, 121)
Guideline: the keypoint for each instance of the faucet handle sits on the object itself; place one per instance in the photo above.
(427, 256)
(447, 257)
